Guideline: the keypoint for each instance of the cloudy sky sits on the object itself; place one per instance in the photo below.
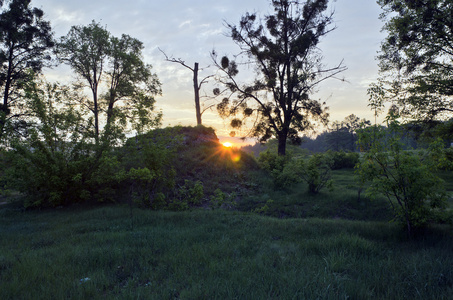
(192, 29)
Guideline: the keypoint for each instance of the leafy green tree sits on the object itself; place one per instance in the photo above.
(98, 57)
(405, 178)
(85, 49)
(52, 165)
(59, 165)
(132, 85)
(416, 59)
(25, 40)
(282, 48)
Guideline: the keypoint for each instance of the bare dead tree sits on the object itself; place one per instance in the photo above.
(196, 84)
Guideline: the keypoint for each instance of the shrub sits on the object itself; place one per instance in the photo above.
(52, 165)
(191, 192)
(341, 159)
(287, 171)
(415, 194)
(317, 172)
(220, 199)
(272, 162)
(283, 174)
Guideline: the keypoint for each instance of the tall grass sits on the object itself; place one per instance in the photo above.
(344, 201)
(96, 253)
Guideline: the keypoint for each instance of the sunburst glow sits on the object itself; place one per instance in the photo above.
(227, 144)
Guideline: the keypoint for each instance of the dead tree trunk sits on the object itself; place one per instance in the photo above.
(196, 90)
(196, 85)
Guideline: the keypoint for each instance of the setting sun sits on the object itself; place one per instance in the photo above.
(227, 144)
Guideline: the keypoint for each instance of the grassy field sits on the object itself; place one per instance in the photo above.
(101, 252)
(296, 202)
(275, 244)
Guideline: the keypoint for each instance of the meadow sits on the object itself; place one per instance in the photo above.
(329, 246)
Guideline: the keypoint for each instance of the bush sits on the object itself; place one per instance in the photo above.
(146, 162)
(287, 171)
(191, 192)
(220, 199)
(283, 176)
(317, 172)
(270, 161)
(342, 160)
(52, 165)
(415, 194)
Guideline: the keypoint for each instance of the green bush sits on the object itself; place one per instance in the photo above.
(283, 173)
(317, 172)
(52, 165)
(270, 161)
(186, 196)
(146, 162)
(342, 160)
(220, 199)
(287, 171)
(191, 192)
(415, 194)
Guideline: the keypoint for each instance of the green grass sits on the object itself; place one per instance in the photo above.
(100, 252)
(342, 202)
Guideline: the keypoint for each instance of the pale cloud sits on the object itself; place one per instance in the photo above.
(188, 22)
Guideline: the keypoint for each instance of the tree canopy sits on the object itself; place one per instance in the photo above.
(282, 47)
(416, 58)
(25, 38)
(98, 57)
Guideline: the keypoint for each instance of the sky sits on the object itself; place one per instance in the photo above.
(190, 30)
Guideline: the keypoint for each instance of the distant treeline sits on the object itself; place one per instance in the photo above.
(415, 135)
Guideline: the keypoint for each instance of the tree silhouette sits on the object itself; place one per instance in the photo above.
(196, 84)
(25, 38)
(288, 66)
(416, 59)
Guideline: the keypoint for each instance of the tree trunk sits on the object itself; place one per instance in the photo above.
(282, 144)
(96, 116)
(197, 93)
(6, 91)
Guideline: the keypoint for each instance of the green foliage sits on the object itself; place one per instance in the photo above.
(287, 171)
(264, 208)
(440, 157)
(148, 171)
(272, 162)
(190, 192)
(282, 171)
(58, 165)
(186, 196)
(404, 177)
(416, 58)
(52, 165)
(222, 200)
(98, 58)
(104, 180)
(341, 159)
(317, 172)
